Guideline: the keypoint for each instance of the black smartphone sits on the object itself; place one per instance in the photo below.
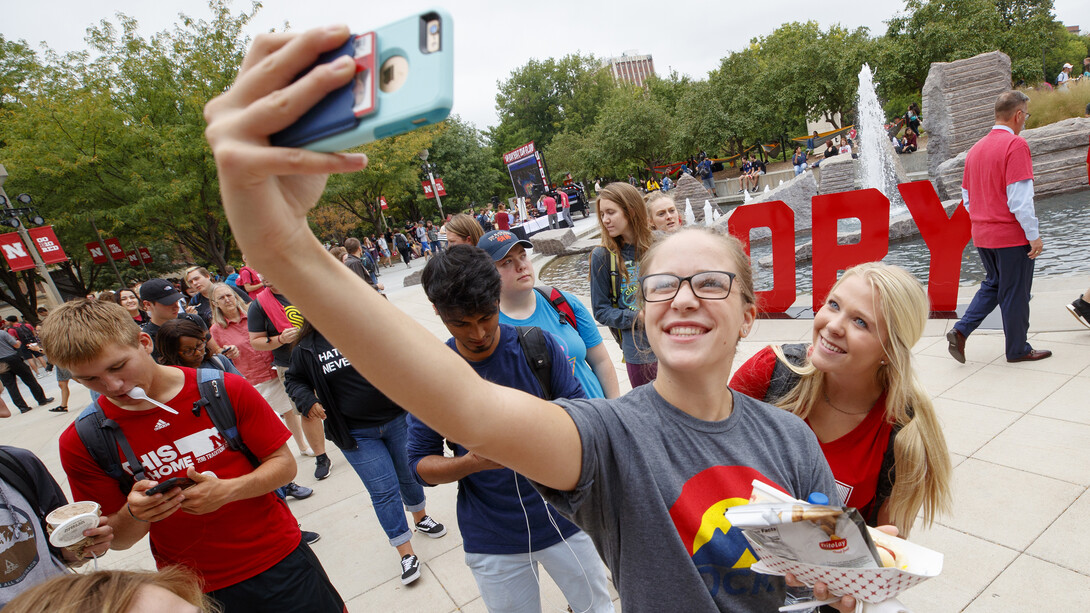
(169, 484)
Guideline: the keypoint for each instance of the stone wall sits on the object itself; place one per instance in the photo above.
(796, 193)
(1059, 160)
(959, 103)
(837, 174)
(690, 187)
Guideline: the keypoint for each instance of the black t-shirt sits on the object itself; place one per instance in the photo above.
(361, 404)
(758, 165)
(152, 330)
(257, 321)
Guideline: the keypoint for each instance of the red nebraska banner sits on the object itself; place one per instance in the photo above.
(114, 246)
(382, 200)
(438, 187)
(145, 255)
(98, 254)
(134, 258)
(48, 245)
(15, 251)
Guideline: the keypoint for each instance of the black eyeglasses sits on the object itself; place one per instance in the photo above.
(708, 285)
(194, 351)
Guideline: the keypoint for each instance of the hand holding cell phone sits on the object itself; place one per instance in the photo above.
(169, 484)
(404, 80)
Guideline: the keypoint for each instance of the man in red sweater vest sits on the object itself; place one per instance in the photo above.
(997, 188)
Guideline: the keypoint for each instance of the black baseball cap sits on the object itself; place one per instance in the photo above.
(161, 291)
(498, 242)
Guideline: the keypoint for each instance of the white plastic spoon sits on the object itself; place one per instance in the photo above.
(138, 393)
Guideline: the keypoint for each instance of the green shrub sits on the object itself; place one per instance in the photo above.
(1050, 106)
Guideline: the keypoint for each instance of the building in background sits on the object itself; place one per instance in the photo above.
(630, 67)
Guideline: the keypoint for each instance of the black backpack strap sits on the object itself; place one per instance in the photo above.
(16, 475)
(102, 437)
(783, 378)
(560, 305)
(220, 411)
(614, 292)
(532, 341)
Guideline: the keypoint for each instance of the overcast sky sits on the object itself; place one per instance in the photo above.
(492, 38)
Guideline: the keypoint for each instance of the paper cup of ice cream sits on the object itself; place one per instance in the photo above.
(67, 523)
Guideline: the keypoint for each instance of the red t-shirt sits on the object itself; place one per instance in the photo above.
(256, 366)
(550, 205)
(503, 220)
(241, 539)
(994, 162)
(248, 276)
(563, 199)
(855, 458)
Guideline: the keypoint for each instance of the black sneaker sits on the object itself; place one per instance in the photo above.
(410, 569)
(1080, 309)
(431, 527)
(297, 491)
(321, 468)
(311, 537)
(45, 401)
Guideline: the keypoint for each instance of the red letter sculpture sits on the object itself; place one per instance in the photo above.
(871, 207)
(780, 219)
(945, 237)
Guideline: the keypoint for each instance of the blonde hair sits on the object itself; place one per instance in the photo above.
(217, 314)
(654, 198)
(465, 225)
(631, 203)
(77, 331)
(921, 459)
(108, 591)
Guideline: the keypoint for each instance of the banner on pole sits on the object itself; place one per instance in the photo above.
(48, 245)
(15, 252)
(145, 255)
(114, 247)
(98, 253)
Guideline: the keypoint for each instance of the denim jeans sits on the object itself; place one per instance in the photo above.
(382, 463)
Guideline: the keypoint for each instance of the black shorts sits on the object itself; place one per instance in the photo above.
(296, 583)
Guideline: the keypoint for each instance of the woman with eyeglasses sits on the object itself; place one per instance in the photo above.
(647, 475)
(182, 343)
(229, 329)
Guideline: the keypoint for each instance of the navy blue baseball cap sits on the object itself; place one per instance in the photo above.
(498, 242)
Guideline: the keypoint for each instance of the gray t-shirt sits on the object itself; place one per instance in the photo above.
(25, 559)
(655, 484)
(7, 345)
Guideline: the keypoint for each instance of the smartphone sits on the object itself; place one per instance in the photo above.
(169, 484)
(404, 80)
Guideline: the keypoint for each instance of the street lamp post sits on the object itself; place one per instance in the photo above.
(51, 291)
(426, 167)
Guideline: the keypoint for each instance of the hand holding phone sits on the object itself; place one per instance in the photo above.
(169, 484)
(404, 80)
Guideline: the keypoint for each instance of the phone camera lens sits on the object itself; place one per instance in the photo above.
(433, 28)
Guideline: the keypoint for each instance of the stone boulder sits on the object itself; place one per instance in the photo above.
(691, 188)
(1059, 160)
(959, 103)
(413, 278)
(795, 193)
(837, 174)
(552, 242)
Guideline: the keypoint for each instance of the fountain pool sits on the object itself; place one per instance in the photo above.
(1064, 219)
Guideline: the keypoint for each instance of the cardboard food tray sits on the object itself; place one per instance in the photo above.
(867, 584)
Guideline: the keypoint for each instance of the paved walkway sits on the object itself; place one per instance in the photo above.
(1018, 537)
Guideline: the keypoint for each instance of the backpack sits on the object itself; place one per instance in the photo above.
(560, 305)
(486, 225)
(102, 436)
(614, 292)
(16, 475)
(25, 333)
(532, 342)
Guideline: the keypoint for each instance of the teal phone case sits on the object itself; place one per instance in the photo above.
(426, 97)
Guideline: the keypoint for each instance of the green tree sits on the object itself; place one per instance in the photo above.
(465, 162)
(122, 134)
(633, 127)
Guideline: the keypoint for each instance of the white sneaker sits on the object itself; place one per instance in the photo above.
(308, 452)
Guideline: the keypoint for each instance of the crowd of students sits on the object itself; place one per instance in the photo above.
(554, 465)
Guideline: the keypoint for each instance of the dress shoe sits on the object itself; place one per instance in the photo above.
(1033, 356)
(957, 345)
